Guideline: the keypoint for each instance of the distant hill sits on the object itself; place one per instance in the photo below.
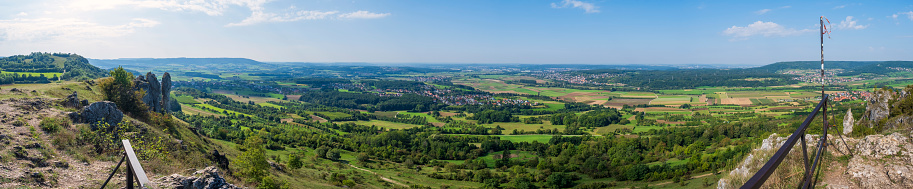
(155, 62)
(850, 67)
(30, 68)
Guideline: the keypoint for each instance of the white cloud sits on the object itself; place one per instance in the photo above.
(840, 7)
(909, 15)
(587, 7)
(67, 29)
(364, 15)
(22, 14)
(849, 23)
(260, 17)
(258, 14)
(766, 29)
(765, 11)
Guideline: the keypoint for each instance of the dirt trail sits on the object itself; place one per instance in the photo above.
(36, 162)
(381, 177)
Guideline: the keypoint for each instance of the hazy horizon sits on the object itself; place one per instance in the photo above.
(504, 32)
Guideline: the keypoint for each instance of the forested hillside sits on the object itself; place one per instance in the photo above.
(46, 67)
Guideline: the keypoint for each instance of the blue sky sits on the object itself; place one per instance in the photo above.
(465, 31)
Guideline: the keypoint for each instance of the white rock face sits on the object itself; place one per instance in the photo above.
(848, 122)
(882, 162)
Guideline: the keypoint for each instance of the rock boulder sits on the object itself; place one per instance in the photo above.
(104, 111)
(207, 178)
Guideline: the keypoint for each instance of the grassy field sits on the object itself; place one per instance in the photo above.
(271, 105)
(331, 115)
(188, 109)
(50, 75)
(217, 109)
(383, 124)
(250, 96)
(427, 117)
(185, 99)
(520, 126)
(526, 138)
(385, 114)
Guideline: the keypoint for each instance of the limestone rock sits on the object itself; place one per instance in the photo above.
(104, 111)
(154, 93)
(207, 178)
(848, 122)
(72, 100)
(882, 162)
(140, 83)
(877, 107)
(166, 92)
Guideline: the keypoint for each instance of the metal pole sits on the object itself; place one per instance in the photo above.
(129, 176)
(115, 171)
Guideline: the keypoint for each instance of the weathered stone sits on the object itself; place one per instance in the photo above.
(848, 122)
(154, 93)
(207, 178)
(882, 162)
(220, 159)
(140, 83)
(72, 100)
(878, 107)
(166, 92)
(104, 111)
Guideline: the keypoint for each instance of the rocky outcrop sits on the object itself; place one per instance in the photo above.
(753, 162)
(166, 92)
(157, 96)
(100, 112)
(848, 122)
(882, 162)
(153, 97)
(207, 178)
(877, 108)
(73, 101)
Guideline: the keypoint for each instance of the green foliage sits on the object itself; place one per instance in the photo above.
(294, 161)
(559, 180)
(107, 140)
(252, 164)
(321, 152)
(53, 124)
(333, 155)
(119, 89)
(269, 182)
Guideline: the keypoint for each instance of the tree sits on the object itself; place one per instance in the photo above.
(333, 154)
(686, 106)
(559, 180)
(362, 157)
(321, 152)
(294, 161)
(505, 159)
(119, 89)
(252, 164)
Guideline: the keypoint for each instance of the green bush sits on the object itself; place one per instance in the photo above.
(52, 124)
(252, 164)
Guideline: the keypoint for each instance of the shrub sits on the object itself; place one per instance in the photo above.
(294, 161)
(119, 89)
(52, 124)
(333, 154)
(252, 164)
